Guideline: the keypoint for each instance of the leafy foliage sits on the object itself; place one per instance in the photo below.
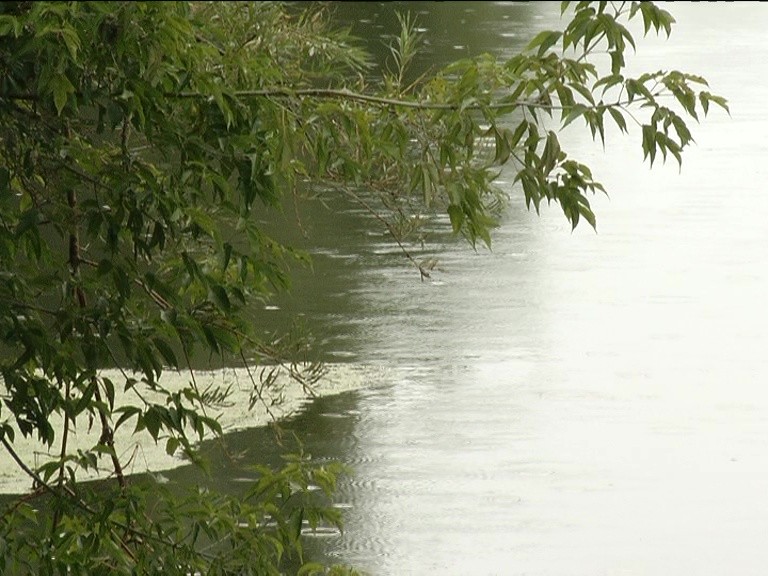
(149, 529)
(142, 145)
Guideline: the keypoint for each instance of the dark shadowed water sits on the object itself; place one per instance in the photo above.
(571, 404)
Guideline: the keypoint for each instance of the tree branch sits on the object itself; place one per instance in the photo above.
(107, 434)
(346, 94)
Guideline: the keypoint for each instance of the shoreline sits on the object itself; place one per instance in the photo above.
(140, 453)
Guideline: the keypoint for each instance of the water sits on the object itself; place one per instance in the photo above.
(568, 403)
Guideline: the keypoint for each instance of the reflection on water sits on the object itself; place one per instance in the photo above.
(567, 404)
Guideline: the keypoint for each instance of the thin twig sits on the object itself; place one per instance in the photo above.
(390, 229)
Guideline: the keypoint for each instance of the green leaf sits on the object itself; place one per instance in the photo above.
(166, 352)
(618, 117)
(219, 296)
(151, 420)
(544, 41)
(10, 25)
(204, 221)
(518, 133)
(210, 338)
(71, 40)
(456, 215)
(706, 97)
(109, 390)
(551, 153)
(61, 88)
(649, 142)
(608, 81)
(126, 413)
(226, 256)
(171, 445)
(311, 569)
(586, 212)
(297, 520)
(573, 112)
(27, 221)
(617, 60)
(585, 92)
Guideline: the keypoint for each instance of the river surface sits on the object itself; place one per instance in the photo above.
(566, 404)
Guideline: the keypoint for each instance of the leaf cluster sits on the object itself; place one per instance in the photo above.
(150, 528)
(145, 148)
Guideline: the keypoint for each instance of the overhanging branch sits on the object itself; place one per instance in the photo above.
(331, 93)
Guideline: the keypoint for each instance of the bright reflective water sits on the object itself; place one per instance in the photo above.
(569, 403)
